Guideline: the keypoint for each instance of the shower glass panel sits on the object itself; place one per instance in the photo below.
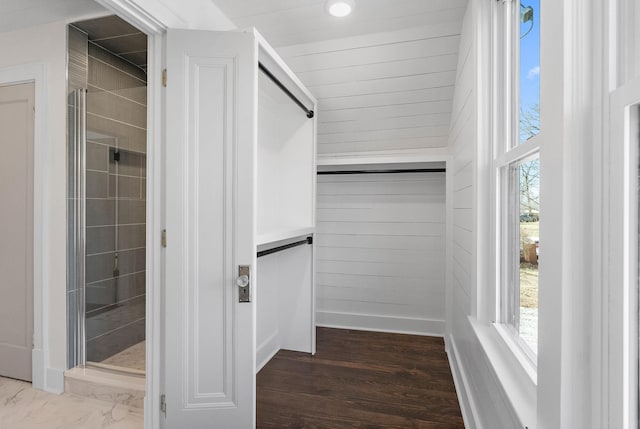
(108, 202)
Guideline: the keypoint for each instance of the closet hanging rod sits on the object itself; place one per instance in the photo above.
(308, 240)
(406, 170)
(284, 89)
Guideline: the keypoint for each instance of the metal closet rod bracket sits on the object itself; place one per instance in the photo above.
(265, 70)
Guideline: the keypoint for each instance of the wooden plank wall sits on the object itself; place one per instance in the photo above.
(381, 252)
(381, 92)
(483, 400)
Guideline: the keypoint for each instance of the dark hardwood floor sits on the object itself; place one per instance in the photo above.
(360, 379)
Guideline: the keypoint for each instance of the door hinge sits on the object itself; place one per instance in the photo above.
(163, 404)
(164, 78)
(163, 239)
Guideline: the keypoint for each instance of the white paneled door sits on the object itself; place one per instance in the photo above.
(16, 229)
(210, 220)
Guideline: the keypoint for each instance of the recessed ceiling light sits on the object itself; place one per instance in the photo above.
(340, 8)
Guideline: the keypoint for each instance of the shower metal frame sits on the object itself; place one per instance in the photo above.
(77, 247)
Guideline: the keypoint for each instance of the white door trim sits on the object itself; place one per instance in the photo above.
(155, 30)
(36, 72)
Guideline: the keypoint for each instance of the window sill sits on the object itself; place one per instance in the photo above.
(520, 355)
(518, 381)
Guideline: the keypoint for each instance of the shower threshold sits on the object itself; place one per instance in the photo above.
(106, 385)
(116, 369)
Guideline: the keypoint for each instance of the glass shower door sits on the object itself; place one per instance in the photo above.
(107, 202)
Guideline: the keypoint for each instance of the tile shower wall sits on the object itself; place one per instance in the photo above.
(115, 205)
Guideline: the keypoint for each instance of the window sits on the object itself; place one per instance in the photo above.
(528, 99)
(517, 169)
(520, 250)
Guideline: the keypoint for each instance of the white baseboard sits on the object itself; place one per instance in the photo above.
(367, 322)
(467, 404)
(267, 350)
(37, 369)
(54, 380)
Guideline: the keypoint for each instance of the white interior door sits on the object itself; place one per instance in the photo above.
(16, 229)
(210, 220)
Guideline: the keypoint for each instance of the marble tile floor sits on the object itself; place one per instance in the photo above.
(23, 407)
(106, 385)
(131, 358)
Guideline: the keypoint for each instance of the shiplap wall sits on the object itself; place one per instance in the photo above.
(389, 92)
(380, 252)
(483, 400)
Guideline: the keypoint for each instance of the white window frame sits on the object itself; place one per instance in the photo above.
(509, 362)
(507, 152)
(620, 256)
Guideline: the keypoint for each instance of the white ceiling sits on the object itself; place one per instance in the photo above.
(292, 22)
(15, 14)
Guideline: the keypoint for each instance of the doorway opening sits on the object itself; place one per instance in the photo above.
(107, 166)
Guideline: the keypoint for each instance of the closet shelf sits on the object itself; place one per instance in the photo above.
(378, 158)
(277, 235)
(381, 167)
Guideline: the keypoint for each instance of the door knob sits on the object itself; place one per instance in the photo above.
(243, 281)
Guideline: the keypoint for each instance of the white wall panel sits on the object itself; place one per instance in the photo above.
(373, 124)
(375, 110)
(415, 229)
(463, 174)
(430, 47)
(442, 94)
(416, 213)
(382, 134)
(483, 400)
(380, 252)
(374, 268)
(464, 198)
(463, 218)
(283, 317)
(385, 85)
(464, 237)
(381, 92)
(380, 242)
(439, 63)
(461, 277)
(285, 156)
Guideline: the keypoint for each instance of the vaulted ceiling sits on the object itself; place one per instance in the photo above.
(384, 76)
(292, 22)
